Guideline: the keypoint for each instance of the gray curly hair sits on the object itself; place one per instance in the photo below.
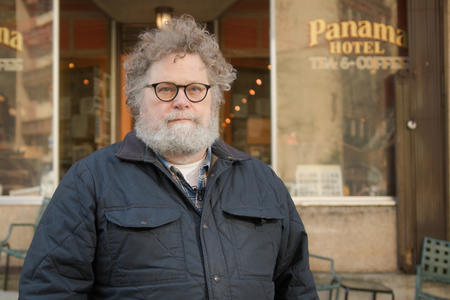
(179, 35)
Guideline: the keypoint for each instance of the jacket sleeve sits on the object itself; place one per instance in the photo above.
(293, 277)
(58, 264)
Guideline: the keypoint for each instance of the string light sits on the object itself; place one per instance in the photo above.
(269, 67)
(71, 65)
(258, 81)
(252, 92)
(237, 108)
(227, 120)
(244, 100)
(86, 81)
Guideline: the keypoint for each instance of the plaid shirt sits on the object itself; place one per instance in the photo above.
(193, 193)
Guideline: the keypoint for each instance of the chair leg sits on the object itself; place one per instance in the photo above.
(330, 294)
(5, 282)
(374, 295)
(337, 292)
(346, 293)
(0, 259)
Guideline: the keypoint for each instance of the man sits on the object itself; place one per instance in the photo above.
(171, 212)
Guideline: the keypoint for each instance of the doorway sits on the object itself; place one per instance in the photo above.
(242, 30)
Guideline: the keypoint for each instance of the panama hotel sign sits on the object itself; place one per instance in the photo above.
(14, 40)
(361, 45)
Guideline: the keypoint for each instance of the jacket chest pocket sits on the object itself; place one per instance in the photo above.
(145, 244)
(256, 235)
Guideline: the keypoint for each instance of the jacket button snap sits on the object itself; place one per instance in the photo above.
(216, 278)
(205, 226)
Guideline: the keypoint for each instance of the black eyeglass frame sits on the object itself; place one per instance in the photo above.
(178, 86)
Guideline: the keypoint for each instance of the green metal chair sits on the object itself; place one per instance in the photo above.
(329, 283)
(5, 247)
(434, 266)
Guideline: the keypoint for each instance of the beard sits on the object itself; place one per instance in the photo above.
(180, 138)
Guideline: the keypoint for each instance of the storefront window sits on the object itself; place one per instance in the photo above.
(247, 113)
(26, 97)
(337, 62)
(244, 40)
(85, 104)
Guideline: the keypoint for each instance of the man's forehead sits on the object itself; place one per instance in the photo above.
(180, 58)
(179, 65)
(177, 56)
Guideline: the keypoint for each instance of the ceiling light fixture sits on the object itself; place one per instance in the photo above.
(163, 15)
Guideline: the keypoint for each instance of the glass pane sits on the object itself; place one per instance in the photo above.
(337, 61)
(85, 108)
(244, 40)
(249, 109)
(26, 97)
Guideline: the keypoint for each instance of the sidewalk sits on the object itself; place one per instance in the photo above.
(13, 285)
(9, 295)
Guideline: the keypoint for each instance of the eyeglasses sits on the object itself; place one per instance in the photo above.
(167, 91)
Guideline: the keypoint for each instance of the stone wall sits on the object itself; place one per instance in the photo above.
(358, 238)
(21, 236)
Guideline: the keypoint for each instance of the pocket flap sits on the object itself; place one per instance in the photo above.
(253, 212)
(142, 217)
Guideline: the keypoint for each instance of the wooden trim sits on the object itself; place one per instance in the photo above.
(373, 201)
(16, 200)
(126, 123)
(405, 174)
(421, 162)
(446, 77)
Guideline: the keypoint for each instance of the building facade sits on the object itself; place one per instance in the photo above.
(347, 100)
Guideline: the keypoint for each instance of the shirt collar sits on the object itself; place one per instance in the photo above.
(206, 161)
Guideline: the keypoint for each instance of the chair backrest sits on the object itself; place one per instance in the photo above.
(42, 208)
(435, 260)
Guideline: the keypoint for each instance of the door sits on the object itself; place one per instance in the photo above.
(421, 134)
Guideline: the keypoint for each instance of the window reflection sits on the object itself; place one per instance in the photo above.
(85, 108)
(25, 97)
(250, 111)
(244, 40)
(337, 62)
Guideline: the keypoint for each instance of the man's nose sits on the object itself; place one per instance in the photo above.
(181, 101)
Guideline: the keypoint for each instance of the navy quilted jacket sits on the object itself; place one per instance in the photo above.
(118, 227)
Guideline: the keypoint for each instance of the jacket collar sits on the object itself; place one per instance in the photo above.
(225, 151)
(132, 148)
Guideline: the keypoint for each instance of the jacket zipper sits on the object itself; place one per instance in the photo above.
(214, 174)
